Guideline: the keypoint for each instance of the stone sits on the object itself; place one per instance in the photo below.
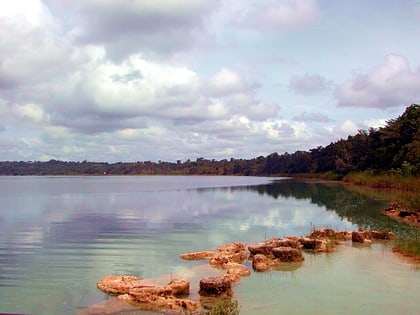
(311, 243)
(215, 286)
(231, 248)
(360, 237)
(201, 255)
(149, 294)
(119, 284)
(261, 262)
(288, 254)
(377, 235)
(236, 269)
(180, 287)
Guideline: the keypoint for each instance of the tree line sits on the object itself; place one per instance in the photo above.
(393, 148)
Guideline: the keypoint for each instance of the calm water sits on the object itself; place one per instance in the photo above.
(60, 235)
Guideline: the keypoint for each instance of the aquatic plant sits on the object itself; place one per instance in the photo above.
(225, 308)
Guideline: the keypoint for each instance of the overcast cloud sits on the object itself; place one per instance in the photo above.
(181, 79)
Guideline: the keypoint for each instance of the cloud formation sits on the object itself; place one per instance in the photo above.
(285, 15)
(391, 84)
(308, 84)
(178, 79)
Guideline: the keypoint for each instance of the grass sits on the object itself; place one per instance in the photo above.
(409, 246)
(225, 308)
(407, 188)
(405, 192)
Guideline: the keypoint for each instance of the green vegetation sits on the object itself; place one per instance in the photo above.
(410, 246)
(225, 308)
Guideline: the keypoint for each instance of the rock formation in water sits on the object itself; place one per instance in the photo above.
(146, 295)
(231, 259)
(216, 286)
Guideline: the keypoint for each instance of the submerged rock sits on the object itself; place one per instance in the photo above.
(216, 286)
(316, 244)
(378, 235)
(288, 254)
(360, 237)
(275, 253)
(201, 255)
(146, 295)
(261, 262)
(119, 284)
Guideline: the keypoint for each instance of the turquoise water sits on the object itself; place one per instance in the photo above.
(60, 235)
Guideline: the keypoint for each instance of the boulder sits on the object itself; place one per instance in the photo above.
(261, 262)
(240, 269)
(215, 286)
(148, 296)
(316, 245)
(261, 248)
(288, 242)
(377, 235)
(288, 254)
(360, 237)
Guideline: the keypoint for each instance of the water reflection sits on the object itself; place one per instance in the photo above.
(58, 236)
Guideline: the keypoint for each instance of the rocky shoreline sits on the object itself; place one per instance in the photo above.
(234, 260)
(396, 212)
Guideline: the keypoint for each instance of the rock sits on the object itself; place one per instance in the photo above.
(288, 254)
(377, 235)
(149, 294)
(360, 237)
(343, 235)
(218, 261)
(317, 245)
(323, 233)
(215, 286)
(180, 287)
(289, 242)
(261, 262)
(231, 248)
(161, 299)
(260, 248)
(119, 284)
(234, 252)
(236, 269)
(198, 255)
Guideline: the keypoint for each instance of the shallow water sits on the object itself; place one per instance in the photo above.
(60, 235)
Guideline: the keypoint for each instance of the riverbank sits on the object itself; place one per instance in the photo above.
(404, 206)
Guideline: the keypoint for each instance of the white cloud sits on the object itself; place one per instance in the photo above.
(31, 112)
(388, 85)
(154, 28)
(285, 15)
(348, 127)
(224, 82)
(308, 84)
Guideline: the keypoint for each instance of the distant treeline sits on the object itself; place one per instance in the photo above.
(393, 148)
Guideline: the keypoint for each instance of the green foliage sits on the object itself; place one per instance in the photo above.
(409, 245)
(225, 308)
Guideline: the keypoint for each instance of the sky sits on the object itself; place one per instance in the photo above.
(140, 80)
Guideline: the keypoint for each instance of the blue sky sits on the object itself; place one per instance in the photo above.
(177, 79)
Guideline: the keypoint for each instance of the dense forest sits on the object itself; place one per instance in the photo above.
(393, 148)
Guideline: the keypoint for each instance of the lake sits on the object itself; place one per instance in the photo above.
(60, 235)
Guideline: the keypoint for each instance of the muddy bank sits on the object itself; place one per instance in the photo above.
(396, 212)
